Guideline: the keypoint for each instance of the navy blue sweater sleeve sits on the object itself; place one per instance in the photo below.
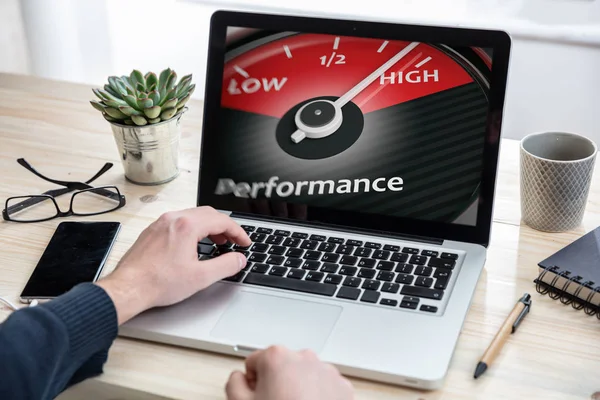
(47, 348)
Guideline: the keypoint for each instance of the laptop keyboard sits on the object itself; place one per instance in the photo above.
(363, 271)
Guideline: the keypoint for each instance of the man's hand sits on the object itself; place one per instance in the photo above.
(162, 267)
(280, 374)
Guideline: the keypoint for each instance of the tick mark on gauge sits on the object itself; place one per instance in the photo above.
(425, 61)
(241, 71)
(288, 53)
(336, 43)
(382, 46)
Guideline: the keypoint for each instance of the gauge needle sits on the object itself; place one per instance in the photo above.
(298, 136)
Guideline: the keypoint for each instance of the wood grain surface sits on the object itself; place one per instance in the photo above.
(555, 354)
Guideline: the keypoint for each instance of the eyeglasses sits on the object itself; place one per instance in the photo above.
(85, 201)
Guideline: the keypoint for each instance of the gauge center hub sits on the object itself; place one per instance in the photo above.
(318, 113)
(318, 118)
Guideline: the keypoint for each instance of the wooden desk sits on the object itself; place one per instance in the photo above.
(554, 355)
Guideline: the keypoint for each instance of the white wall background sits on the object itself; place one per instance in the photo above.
(554, 77)
(13, 45)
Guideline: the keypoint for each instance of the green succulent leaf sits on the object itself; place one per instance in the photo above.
(187, 93)
(185, 78)
(126, 82)
(184, 83)
(110, 90)
(117, 86)
(98, 95)
(182, 102)
(139, 120)
(163, 94)
(131, 101)
(168, 113)
(154, 120)
(109, 118)
(151, 79)
(145, 103)
(151, 88)
(128, 121)
(155, 96)
(127, 110)
(137, 78)
(113, 103)
(122, 87)
(139, 87)
(98, 106)
(170, 103)
(172, 80)
(130, 91)
(104, 95)
(162, 79)
(108, 96)
(113, 112)
(152, 112)
(171, 94)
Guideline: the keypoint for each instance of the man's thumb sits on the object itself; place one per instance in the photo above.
(237, 387)
(220, 267)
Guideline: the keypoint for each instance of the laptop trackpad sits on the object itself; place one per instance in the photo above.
(257, 320)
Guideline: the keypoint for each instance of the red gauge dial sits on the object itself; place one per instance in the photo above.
(278, 75)
(312, 111)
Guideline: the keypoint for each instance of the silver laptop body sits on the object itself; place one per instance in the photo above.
(369, 202)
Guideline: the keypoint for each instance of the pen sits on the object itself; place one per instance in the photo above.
(510, 326)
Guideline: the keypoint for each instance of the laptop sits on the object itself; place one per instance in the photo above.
(361, 158)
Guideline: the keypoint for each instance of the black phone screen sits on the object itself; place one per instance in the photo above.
(76, 254)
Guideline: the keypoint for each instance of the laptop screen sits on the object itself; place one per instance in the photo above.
(387, 128)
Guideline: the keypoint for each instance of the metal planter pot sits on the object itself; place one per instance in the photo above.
(150, 153)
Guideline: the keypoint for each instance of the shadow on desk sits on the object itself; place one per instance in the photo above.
(93, 389)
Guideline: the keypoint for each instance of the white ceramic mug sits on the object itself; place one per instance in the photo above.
(556, 172)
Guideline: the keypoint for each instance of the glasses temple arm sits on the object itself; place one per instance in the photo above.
(105, 168)
(28, 167)
(117, 196)
(72, 185)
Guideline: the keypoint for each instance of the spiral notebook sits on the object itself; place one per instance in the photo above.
(572, 274)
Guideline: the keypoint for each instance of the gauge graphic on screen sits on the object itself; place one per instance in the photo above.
(316, 107)
(323, 88)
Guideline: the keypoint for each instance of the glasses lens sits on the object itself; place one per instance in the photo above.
(96, 201)
(31, 208)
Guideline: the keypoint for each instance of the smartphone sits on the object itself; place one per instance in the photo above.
(75, 254)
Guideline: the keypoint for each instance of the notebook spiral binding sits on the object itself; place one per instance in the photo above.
(562, 294)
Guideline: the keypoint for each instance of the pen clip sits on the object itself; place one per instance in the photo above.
(526, 299)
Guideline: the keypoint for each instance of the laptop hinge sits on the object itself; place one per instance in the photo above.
(338, 228)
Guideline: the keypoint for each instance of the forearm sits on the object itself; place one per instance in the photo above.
(126, 293)
(46, 348)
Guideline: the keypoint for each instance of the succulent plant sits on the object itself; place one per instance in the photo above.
(143, 99)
